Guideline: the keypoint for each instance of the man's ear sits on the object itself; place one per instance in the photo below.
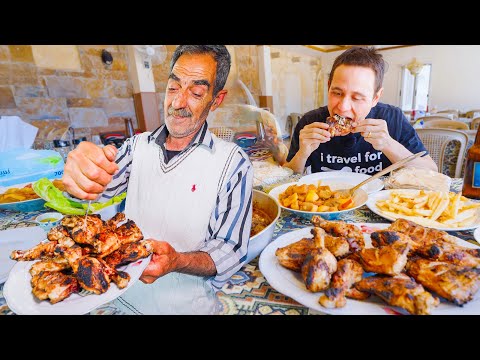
(377, 97)
(218, 99)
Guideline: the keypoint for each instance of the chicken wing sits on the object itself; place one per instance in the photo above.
(293, 255)
(457, 284)
(109, 241)
(40, 251)
(389, 237)
(348, 273)
(400, 291)
(128, 253)
(55, 264)
(338, 246)
(54, 286)
(349, 232)
(80, 233)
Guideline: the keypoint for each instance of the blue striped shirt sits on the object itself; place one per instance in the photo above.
(229, 227)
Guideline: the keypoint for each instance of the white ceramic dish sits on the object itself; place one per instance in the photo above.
(21, 206)
(18, 293)
(291, 284)
(48, 220)
(385, 194)
(350, 178)
(476, 234)
(16, 239)
(359, 199)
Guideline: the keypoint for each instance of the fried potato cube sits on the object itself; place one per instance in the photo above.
(301, 189)
(311, 196)
(295, 205)
(288, 201)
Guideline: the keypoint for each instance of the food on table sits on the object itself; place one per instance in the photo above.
(339, 125)
(431, 208)
(79, 256)
(314, 198)
(416, 178)
(25, 193)
(431, 257)
(401, 291)
(260, 220)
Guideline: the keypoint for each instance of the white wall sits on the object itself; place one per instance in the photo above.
(455, 81)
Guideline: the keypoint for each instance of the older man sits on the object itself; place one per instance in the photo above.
(186, 188)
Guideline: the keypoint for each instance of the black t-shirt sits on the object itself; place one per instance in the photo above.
(351, 152)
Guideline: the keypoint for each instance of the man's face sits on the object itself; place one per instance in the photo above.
(352, 92)
(189, 95)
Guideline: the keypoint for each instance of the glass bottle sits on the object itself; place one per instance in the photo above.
(471, 179)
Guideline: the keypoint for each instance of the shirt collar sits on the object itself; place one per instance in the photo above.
(203, 137)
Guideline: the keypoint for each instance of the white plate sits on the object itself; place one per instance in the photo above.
(20, 299)
(350, 178)
(385, 194)
(290, 283)
(17, 239)
(476, 234)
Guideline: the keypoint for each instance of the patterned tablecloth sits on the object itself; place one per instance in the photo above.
(247, 292)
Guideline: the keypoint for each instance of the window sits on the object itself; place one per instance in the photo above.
(415, 89)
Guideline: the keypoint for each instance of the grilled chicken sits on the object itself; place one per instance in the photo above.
(389, 260)
(60, 234)
(318, 267)
(109, 241)
(81, 233)
(54, 286)
(457, 284)
(400, 291)
(128, 253)
(293, 255)
(40, 251)
(348, 272)
(418, 233)
(349, 232)
(55, 264)
(447, 252)
(338, 246)
(388, 237)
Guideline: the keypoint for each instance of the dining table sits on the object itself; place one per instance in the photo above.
(247, 292)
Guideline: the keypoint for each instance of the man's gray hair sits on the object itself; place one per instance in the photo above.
(220, 54)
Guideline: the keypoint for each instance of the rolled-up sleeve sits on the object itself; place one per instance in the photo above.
(229, 228)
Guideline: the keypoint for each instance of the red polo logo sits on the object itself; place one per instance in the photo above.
(194, 187)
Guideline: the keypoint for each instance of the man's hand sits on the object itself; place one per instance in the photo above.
(164, 260)
(374, 131)
(89, 169)
(311, 136)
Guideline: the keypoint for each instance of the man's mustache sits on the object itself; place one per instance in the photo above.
(180, 112)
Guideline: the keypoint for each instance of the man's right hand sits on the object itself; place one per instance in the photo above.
(89, 169)
(311, 136)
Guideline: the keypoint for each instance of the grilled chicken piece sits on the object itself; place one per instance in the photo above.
(318, 267)
(388, 237)
(353, 293)
(420, 234)
(349, 232)
(40, 251)
(128, 253)
(113, 222)
(390, 259)
(338, 246)
(348, 272)
(293, 255)
(81, 234)
(55, 264)
(54, 286)
(400, 291)
(109, 241)
(60, 234)
(448, 253)
(457, 284)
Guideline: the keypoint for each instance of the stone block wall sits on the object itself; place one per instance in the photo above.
(92, 100)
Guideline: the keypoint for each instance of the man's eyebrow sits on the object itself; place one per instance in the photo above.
(174, 77)
(202, 82)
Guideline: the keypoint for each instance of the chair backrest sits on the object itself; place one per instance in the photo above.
(475, 122)
(471, 113)
(432, 117)
(437, 142)
(445, 124)
(454, 112)
(224, 133)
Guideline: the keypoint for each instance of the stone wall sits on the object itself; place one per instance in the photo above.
(92, 100)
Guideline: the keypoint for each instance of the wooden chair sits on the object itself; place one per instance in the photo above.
(471, 113)
(455, 113)
(445, 124)
(438, 143)
(432, 117)
(475, 122)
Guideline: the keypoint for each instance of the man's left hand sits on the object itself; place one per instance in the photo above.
(374, 131)
(164, 260)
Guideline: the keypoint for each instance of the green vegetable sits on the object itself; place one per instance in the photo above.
(56, 200)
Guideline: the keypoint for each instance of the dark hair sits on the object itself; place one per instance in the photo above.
(361, 56)
(220, 54)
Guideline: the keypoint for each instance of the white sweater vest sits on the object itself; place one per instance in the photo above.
(174, 202)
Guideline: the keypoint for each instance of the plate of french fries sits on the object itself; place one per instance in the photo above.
(440, 210)
(318, 198)
(22, 198)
